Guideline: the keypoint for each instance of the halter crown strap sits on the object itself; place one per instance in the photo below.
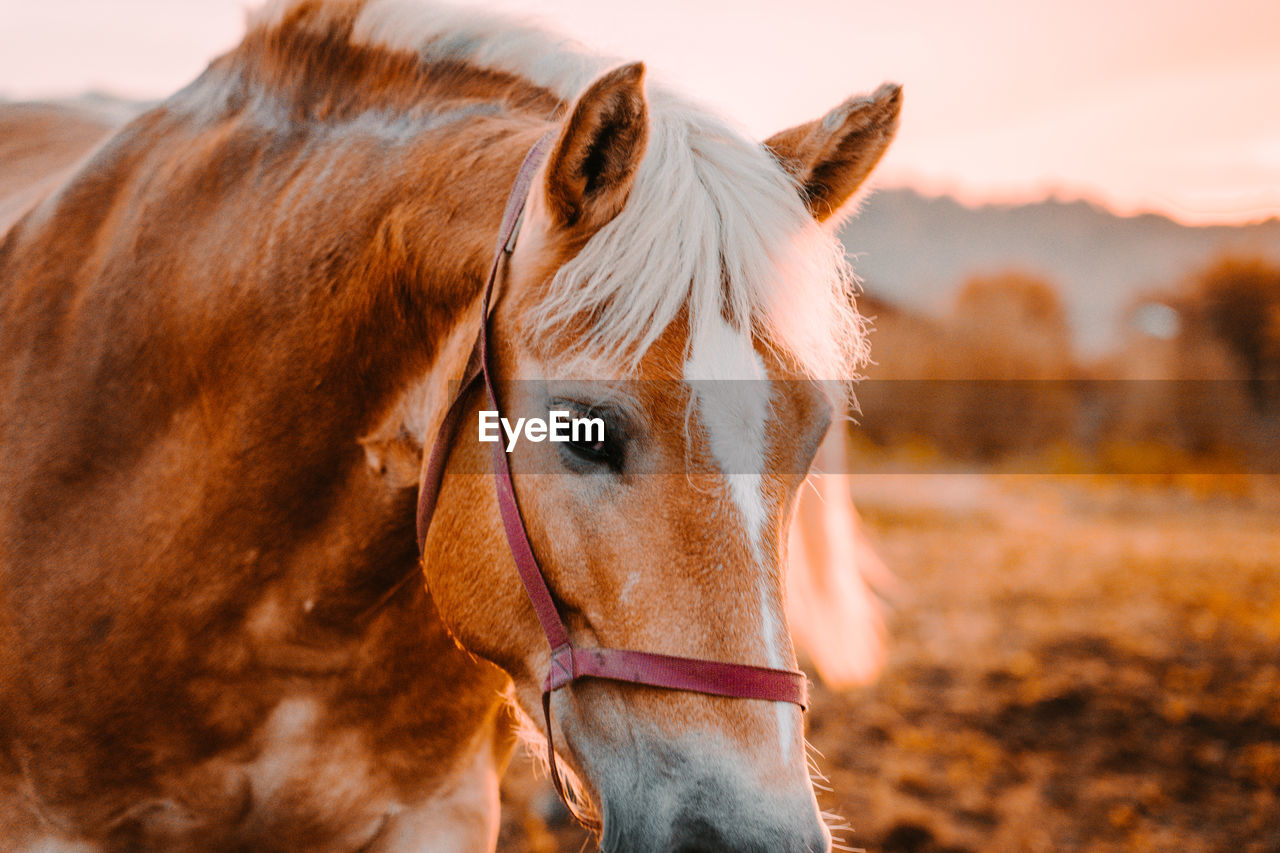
(568, 662)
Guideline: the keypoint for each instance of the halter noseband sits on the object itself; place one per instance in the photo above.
(569, 662)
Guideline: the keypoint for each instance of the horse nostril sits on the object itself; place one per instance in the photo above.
(697, 835)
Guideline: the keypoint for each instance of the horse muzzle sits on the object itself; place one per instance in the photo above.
(669, 798)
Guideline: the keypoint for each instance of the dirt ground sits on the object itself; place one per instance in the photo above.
(1076, 663)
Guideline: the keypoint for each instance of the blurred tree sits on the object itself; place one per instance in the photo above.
(1024, 299)
(1273, 334)
(1021, 317)
(1238, 301)
(1012, 349)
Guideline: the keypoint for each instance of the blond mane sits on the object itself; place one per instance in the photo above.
(713, 226)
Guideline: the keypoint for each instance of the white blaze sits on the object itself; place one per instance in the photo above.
(729, 380)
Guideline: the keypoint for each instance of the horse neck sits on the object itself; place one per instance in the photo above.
(382, 252)
(196, 332)
(253, 299)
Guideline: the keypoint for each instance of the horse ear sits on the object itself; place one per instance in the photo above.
(832, 156)
(593, 164)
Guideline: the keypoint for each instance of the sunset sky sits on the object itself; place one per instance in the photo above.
(1141, 104)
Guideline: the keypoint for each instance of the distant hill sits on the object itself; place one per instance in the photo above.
(915, 251)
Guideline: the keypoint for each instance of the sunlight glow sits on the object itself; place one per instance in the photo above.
(1144, 105)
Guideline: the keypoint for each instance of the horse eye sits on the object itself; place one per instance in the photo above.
(590, 449)
(603, 451)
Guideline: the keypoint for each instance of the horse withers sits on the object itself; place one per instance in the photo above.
(225, 341)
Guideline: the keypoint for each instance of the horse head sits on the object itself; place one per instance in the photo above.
(675, 282)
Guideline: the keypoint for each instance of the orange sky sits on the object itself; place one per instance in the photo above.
(1144, 104)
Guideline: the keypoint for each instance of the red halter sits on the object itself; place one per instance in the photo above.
(568, 662)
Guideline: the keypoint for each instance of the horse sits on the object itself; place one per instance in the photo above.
(225, 341)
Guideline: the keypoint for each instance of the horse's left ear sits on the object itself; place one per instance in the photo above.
(832, 156)
(594, 162)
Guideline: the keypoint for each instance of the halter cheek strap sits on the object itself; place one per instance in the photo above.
(569, 662)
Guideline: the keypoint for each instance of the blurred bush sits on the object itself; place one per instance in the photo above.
(989, 379)
(1237, 301)
(1202, 363)
(1195, 383)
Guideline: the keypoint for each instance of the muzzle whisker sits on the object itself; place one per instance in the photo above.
(835, 823)
(816, 776)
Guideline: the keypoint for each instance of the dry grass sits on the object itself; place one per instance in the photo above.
(1077, 663)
